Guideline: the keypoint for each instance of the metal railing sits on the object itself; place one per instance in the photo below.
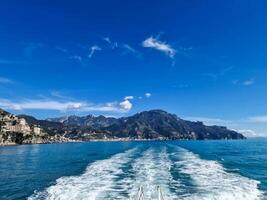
(140, 195)
(160, 196)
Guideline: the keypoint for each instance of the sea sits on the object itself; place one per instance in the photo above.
(184, 170)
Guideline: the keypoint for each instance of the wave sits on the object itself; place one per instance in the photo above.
(180, 173)
(96, 183)
(152, 170)
(212, 181)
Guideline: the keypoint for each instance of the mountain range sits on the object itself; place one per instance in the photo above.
(153, 124)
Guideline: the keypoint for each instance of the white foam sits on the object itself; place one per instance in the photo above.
(152, 170)
(120, 176)
(213, 182)
(96, 183)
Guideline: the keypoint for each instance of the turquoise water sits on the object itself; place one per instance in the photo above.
(185, 170)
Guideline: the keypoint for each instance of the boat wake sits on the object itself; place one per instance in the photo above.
(153, 169)
(180, 173)
(212, 181)
(96, 183)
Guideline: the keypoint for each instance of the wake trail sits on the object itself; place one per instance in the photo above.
(180, 173)
(152, 169)
(212, 180)
(95, 183)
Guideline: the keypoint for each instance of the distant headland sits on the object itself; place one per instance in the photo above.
(147, 125)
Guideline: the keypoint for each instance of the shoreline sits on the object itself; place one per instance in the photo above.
(117, 140)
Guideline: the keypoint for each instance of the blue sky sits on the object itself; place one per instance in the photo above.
(200, 60)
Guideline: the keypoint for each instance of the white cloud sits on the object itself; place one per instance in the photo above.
(251, 133)
(260, 119)
(248, 82)
(113, 45)
(126, 105)
(209, 121)
(128, 97)
(65, 105)
(238, 125)
(4, 80)
(41, 105)
(148, 95)
(93, 49)
(107, 107)
(107, 40)
(127, 49)
(60, 95)
(159, 45)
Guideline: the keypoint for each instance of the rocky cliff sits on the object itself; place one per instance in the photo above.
(16, 130)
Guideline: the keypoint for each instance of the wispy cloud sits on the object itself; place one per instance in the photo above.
(76, 58)
(251, 133)
(248, 82)
(107, 40)
(40, 104)
(209, 121)
(60, 95)
(124, 49)
(110, 43)
(66, 105)
(259, 119)
(180, 85)
(128, 97)
(63, 50)
(215, 75)
(4, 80)
(93, 49)
(127, 49)
(154, 43)
(238, 125)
